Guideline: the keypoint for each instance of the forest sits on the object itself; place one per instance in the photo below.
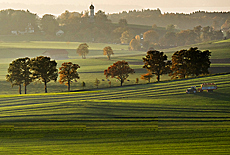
(181, 20)
(151, 28)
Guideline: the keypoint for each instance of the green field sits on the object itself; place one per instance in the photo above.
(154, 118)
(91, 68)
(218, 49)
(95, 64)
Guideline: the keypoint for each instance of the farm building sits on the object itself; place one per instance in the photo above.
(56, 54)
(59, 33)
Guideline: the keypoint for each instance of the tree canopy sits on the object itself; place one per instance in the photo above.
(135, 44)
(44, 70)
(192, 62)
(108, 51)
(155, 63)
(151, 36)
(68, 72)
(119, 70)
(83, 50)
(147, 76)
(49, 24)
(19, 73)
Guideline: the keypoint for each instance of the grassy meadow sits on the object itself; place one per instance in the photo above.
(96, 62)
(155, 118)
(218, 49)
(158, 118)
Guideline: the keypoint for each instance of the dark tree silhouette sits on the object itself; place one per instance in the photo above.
(19, 73)
(198, 61)
(179, 65)
(192, 62)
(155, 63)
(44, 70)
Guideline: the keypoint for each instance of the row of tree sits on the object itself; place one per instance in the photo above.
(24, 71)
(79, 27)
(183, 21)
(83, 50)
(172, 37)
(185, 63)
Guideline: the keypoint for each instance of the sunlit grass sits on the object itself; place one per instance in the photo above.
(157, 118)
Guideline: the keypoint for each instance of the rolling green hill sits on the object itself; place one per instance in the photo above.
(219, 49)
(158, 118)
(96, 63)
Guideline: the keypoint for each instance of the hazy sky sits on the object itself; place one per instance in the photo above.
(110, 6)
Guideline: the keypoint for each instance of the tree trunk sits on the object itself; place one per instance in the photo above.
(158, 78)
(121, 82)
(25, 89)
(69, 85)
(84, 56)
(20, 89)
(45, 86)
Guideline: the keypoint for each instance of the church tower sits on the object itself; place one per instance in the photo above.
(91, 13)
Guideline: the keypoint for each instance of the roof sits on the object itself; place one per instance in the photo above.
(91, 6)
(60, 31)
(56, 51)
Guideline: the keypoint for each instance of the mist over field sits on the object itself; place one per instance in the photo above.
(111, 6)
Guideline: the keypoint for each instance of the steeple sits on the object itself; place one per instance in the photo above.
(91, 13)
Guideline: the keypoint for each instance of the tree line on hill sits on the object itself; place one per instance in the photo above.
(78, 26)
(185, 63)
(173, 37)
(181, 20)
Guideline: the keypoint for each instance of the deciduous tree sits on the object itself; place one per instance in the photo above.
(198, 61)
(108, 51)
(44, 69)
(19, 73)
(49, 24)
(68, 72)
(83, 50)
(179, 65)
(155, 63)
(119, 70)
(135, 44)
(192, 62)
(147, 77)
(126, 37)
(151, 36)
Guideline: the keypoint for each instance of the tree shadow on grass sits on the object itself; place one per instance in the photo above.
(216, 95)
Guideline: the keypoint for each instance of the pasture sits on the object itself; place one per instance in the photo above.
(218, 49)
(96, 62)
(157, 118)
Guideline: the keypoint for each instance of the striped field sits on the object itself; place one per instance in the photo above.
(157, 118)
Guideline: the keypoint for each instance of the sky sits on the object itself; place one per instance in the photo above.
(56, 7)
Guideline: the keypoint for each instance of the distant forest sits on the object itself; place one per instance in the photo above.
(140, 29)
(180, 20)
